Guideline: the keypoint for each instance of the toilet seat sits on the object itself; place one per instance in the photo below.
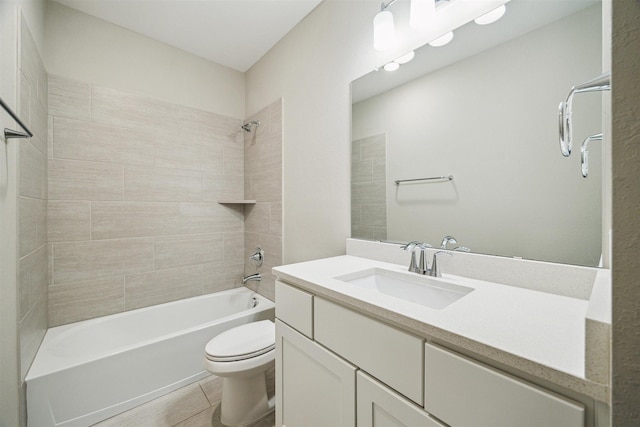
(242, 342)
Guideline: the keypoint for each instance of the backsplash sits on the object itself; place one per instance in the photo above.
(133, 213)
(263, 183)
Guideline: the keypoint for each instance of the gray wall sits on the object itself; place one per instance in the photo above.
(491, 121)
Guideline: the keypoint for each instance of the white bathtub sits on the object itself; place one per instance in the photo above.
(89, 371)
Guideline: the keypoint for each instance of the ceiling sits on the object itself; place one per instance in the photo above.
(233, 33)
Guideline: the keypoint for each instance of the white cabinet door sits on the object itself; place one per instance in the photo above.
(379, 406)
(314, 387)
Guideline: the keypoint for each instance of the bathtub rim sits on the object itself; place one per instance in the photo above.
(52, 364)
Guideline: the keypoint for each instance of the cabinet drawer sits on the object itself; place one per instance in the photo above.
(295, 308)
(378, 406)
(389, 354)
(462, 393)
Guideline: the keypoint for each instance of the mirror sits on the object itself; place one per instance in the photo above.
(484, 110)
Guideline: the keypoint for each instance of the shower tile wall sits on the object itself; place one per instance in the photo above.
(32, 225)
(32, 203)
(368, 188)
(263, 183)
(133, 213)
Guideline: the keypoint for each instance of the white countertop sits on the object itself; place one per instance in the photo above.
(540, 333)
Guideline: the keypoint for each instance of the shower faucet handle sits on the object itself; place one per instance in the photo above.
(257, 258)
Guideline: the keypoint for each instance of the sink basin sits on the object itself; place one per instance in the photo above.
(423, 290)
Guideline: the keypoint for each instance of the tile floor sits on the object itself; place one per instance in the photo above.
(195, 405)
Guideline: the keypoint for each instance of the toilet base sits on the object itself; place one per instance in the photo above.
(244, 400)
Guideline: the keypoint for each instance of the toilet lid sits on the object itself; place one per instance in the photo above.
(242, 342)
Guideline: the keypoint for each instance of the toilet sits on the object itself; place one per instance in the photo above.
(241, 356)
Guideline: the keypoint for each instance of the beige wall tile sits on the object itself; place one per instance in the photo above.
(38, 124)
(71, 302)
(113, 220)
(32, 224)
(379, 169)
(78, 261)
(373, 147)
(206, 126)
(78, 180)
(69, 98)
(216, 187)
(199, 218)
(258, 218)
(32, 171)
(124, 109)
(165, 411)
(177, 251)
(24, 99)
(31, 331)
(156, 287)
(266, 186)
(368, 192)
(233, 246)
(213, 156)
(32, 279)
(271, 154)
(362, 170)
(83, 140)
(219, 277)
(275, 226)
(233, 160)
(161, 184)
(275, 111)
(272, 247)
(68, 220)
(28, 55)
(176, 151)
(374, 215)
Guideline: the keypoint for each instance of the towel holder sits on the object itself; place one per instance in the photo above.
(10, 133)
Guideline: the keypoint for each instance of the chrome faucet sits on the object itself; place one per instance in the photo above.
(422, 267)
(255, 277)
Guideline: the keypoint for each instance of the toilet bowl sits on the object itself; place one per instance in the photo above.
(241, 356)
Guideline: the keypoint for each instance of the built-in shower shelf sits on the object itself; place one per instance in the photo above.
(236, 202)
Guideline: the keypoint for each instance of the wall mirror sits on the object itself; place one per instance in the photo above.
(483, 109)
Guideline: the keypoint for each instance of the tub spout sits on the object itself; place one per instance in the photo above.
(256, 277)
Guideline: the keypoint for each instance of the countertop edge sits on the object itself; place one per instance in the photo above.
(580, 385)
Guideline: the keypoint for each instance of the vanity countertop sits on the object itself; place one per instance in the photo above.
(539, 333)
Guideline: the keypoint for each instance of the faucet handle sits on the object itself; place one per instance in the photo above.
(446, 240)
(435, 271)
(410, 246)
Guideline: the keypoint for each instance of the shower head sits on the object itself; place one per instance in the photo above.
(247, 126)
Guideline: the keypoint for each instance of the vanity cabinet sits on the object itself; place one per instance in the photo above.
(490, 398)
(337, 367)
(380, 406)
(315, 388)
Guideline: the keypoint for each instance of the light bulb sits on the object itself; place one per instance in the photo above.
(421, 13)
(384, 32)
(405, 58)
(492, 16)
(391, 66)
(442, 40)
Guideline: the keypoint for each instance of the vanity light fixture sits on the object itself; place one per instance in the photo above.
(391, 66)
(442, 40)
(384, 31)
(421, 13)
(491, 17)
(405, 58)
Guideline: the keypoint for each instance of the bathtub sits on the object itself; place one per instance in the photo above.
(89, 371)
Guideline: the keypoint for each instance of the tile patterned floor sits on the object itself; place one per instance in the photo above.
(196, 405)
